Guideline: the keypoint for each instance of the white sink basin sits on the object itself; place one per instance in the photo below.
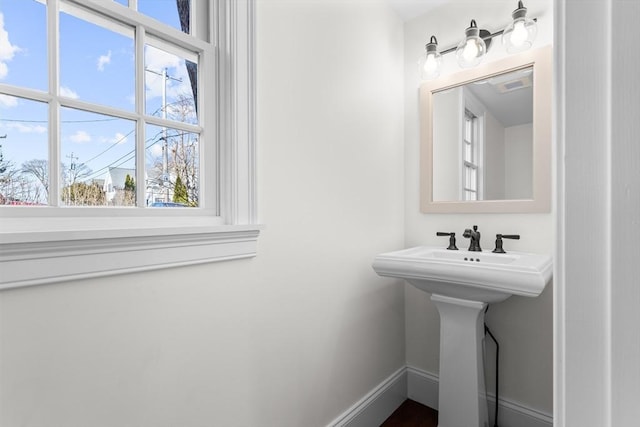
(477, 276)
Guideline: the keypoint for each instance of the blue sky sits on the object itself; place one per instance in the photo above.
(96, 65)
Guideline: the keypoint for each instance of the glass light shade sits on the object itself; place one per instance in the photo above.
(472, 49)
(430, 63)
(521, 32)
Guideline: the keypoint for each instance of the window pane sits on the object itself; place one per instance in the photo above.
(98, 159)
(123, 2)
(167, 12)
(467, 152)
(96, 64)
(467, 128)
(171, 86)
(24, 165)
(23, 44)
(173, 167)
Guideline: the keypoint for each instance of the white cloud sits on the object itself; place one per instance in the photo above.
(80, 137)
(104, 60)
(4, 70)
(157, 59)
(7, 50)
(69, 93)
(156, 150)
(119, 138)
(27, 128)
(8, 101)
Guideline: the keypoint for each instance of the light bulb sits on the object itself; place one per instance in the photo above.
(521, 32)
(472, 49)
(430, 62)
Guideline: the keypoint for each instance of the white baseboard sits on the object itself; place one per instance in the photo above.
(377, 405)
(422, 386)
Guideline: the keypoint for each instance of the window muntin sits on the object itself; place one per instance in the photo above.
(91, 83)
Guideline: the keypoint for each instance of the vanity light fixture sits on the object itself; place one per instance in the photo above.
(430, 64)
(516, 37)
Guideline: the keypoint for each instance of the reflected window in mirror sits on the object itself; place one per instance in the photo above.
(470, 165)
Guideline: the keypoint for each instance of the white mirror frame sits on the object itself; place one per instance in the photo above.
(541, 60)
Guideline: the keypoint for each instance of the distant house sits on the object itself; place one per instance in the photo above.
(155, 190)
(114, 182)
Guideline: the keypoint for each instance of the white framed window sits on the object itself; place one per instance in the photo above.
(127, 135)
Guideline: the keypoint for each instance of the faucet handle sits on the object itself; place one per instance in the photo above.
(499, 249)
(452, 239)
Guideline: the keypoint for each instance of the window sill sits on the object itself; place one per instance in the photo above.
(57, 255)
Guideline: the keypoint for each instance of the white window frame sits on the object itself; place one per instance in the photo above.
(49, 245)
(470, 103)
(472, 142)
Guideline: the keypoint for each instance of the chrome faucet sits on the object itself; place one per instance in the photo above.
(474, 235)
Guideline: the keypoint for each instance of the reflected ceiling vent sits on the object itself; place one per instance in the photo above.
(512, 81)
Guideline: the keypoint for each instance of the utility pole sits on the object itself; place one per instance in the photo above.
(72, 168)
(165, 142)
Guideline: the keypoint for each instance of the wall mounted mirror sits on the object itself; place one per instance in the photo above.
(486, 137)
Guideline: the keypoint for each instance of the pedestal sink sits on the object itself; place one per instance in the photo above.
(461, 284)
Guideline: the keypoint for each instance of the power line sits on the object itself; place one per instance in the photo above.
(131, 154)
(109, 148)
(125, 158)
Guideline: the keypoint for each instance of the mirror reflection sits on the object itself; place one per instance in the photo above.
(483, 139)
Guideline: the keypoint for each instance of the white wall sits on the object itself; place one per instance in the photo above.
(291, 338)
(494, 158)
(447, 134)
(517, 161)
(524, 326)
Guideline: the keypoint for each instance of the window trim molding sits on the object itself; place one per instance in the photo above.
(32, 253)
(238, 122)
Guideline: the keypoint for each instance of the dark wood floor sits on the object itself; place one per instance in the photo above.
(412, 414)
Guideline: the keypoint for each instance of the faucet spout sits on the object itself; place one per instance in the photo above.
(474, 236)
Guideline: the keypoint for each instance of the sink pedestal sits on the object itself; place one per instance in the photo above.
(461, 284)
(462, 393)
